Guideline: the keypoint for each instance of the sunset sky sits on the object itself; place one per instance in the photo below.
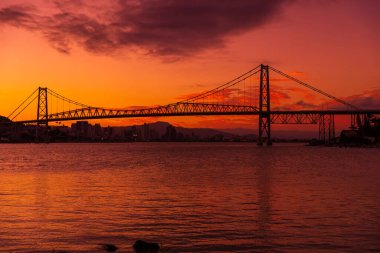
(138, 52)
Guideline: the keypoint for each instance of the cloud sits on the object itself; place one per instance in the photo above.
(298, 105)
(304, 104)
(19, 16)
(230, 96)
(170, 28)
(188, 96)
(278, 96)
(220, 122)
(369, 99)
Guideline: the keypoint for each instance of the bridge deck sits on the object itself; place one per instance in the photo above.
(77, 115)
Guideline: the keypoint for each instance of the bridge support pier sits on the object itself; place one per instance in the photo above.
(326, 128)
(42, 126)
(264, 108)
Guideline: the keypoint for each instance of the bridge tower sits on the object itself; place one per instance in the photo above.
(264, 107)
(42, 114)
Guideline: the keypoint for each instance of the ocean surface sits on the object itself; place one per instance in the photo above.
(189, 197)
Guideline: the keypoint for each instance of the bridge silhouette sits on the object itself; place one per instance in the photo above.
(236, 97)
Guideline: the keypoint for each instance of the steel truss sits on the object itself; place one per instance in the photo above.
(178, 109)
(298, 118)
(277, 117)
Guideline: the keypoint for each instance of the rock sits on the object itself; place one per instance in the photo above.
(109, 247)
(146, 247)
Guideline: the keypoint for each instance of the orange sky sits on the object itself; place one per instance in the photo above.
(335, 44)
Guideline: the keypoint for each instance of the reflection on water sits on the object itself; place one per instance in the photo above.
(190, 197)
(265, 209)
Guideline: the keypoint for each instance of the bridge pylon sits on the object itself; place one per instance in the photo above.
(264, 107)
(42, 125)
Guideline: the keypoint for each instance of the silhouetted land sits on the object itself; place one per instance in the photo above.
(83, 131)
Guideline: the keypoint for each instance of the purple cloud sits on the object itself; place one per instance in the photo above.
(170, 28)
(303, 104)
(369, 99)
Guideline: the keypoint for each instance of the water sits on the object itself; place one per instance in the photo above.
(190, 197)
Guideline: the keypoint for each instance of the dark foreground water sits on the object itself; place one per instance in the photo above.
(190, 197)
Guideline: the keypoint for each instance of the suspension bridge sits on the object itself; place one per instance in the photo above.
(247, 94)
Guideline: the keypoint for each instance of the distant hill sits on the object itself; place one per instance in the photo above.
(205, 132)
(240, 131)
(161, 126)
(4, 119)
(230, 133)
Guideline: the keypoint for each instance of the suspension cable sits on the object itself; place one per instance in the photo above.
(314, 89)
(24, 108)
(22, 103)
(70, 101)
(221, 87)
